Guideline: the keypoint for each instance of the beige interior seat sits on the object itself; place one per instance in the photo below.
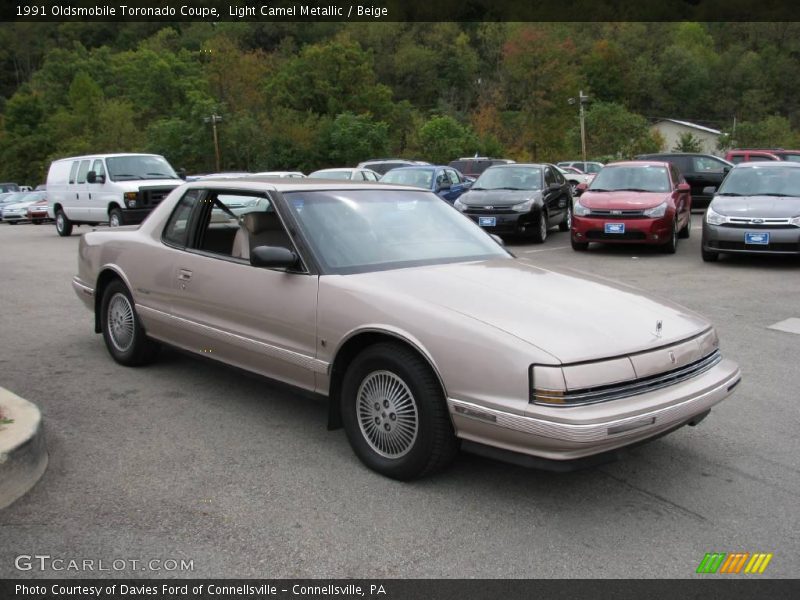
(259, 229)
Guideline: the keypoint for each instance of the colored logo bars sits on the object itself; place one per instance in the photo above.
(734, 563)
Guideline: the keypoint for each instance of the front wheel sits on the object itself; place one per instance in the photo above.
(63, 224)
(540, 228)
(394, 413)
(115, 217)
(672, 245)
(122, 332)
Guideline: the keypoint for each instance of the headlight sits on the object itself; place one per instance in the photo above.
(547, 385)
(657, 211)
(714, 218)
(580, 210)
(796, 221)
(460, 205)
(523, 206)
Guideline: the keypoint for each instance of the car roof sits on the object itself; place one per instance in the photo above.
(639, 163)
(512, 165)
(782, 164)
(103, 155)
(284, 184)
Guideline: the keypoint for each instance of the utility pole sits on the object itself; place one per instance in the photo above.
(582, 101)
(214, 119)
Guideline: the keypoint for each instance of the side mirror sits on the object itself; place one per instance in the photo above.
(726, 169)
(182, 173)
(554, 187)
(580, 188)
(93, 177)
(273, 257)
(684, 187)
(443, 186)
(709, 190)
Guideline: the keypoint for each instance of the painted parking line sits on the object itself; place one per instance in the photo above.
(543, 249)
(791, 325)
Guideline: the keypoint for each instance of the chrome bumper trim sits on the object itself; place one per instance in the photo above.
(82, 288)
(603, 431)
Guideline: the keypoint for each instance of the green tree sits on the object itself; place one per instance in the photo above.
(612, 130)
(687, 142)
(353, 138)
(443, 139)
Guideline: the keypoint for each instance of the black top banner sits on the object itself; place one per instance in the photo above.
(399, 10)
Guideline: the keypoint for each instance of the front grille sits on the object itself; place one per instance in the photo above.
(771, 247)
(628, 235)
(619, 214)
(634, 387)
(748, 223)
(496, 210)
(151, 196)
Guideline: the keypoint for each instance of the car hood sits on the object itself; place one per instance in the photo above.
(497, 197)
(573, 318)
(757, 206)
(18, 205)
(623, 200)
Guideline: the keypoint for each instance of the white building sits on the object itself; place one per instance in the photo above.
(672, 129)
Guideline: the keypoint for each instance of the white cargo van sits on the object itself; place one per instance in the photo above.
(118, 189)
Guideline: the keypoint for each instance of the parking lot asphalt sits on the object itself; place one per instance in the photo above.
(190, 460)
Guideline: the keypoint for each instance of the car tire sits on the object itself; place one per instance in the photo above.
(115, 217)
(672, 245)
(384, 380)
(579, 246)
(540, 228)
(123, 333)
(63, 224)
(566, 224)
(709, 255)
(687, 229)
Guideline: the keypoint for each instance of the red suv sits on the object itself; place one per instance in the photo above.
(640, 202)
(740, 155)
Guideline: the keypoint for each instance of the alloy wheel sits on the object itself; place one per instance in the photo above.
(387, 414)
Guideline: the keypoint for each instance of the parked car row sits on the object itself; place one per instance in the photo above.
(18, 207)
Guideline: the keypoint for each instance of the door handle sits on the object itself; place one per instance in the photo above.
(184, 274)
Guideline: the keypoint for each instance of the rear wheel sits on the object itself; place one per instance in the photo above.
(394, 413)
(566, 224)
(123, 333)
(540, 228)
(687, 229)
(63, 224)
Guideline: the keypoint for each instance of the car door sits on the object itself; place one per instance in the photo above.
(260, 319)
(556, 195)
(683, 200)
(97, 194)
(80, 204)
(456, 185)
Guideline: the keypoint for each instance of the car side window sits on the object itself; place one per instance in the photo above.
(704, 164)
(548, 176)
(370, 176)
(177, 228)
(452, 176)
(558, 176)
(98, 168)
(73, 172)
(441, 179)
(82, 171)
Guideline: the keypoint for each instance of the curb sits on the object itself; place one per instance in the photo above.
(23, 453)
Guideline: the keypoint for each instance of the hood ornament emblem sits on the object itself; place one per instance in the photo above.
(672, 358)
(659, 327)
(489, 207)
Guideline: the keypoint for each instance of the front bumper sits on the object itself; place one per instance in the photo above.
(84, 292)
(507, 223)
(134, 216)
(719, 238)
(575, 436)
(637, 231)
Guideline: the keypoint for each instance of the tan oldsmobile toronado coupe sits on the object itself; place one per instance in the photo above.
(421, 329)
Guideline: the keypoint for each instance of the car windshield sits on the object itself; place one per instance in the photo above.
(510, 178)
(762, 181)
(638, 178)
(331, 175)
(593, 167)
(32, 197)
(357, 231)
(123, 168)
(416, 177)
(791, 157)
(14, 197)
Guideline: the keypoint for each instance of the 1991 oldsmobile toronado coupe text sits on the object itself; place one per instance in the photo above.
(421, 328)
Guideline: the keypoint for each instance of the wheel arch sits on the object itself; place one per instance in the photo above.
(107, 274)
(351, 346)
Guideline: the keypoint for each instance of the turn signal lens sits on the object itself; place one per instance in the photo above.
(547, 385)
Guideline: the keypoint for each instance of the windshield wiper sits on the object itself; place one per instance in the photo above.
(774, 194)
(477, 188)
(729, 194)
(630, 190)
(162, 175)
(126, 175)
(513, 189)
(599, 190)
